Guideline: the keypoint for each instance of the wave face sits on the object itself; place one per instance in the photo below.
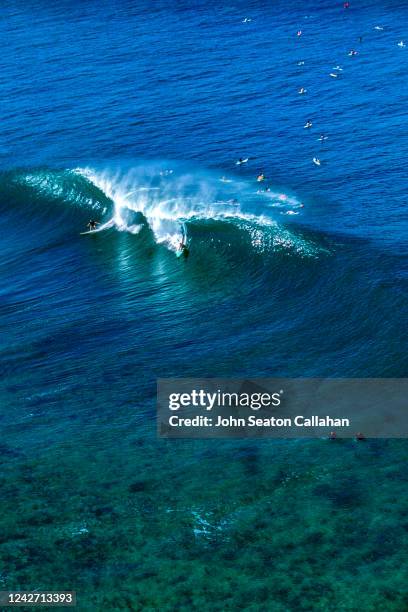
(169, 198)
(167, 201)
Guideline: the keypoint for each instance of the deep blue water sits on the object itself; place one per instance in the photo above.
(134, 114)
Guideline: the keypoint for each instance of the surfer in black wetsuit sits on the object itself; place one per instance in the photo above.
(92, 225)
(183, 248)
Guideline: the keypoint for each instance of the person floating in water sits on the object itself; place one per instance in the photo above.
(92, 225)
(346, 5)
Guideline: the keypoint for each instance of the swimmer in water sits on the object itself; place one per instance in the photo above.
(308, 124)
(352, 53)
(322, 137)
(260, 177)
(302, 90)
(317, 161)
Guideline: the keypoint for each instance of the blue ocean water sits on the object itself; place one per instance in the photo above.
(134, 114)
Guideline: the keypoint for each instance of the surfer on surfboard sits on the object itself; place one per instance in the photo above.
(183, 249)
(92, 225)
(183, 244)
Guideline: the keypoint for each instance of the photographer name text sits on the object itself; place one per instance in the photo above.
(254, 421)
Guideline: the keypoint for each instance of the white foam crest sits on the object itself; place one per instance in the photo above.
(166, 201)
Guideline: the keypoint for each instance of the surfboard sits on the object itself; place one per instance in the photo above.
(102, 227)
(242, 161)
(95, 231)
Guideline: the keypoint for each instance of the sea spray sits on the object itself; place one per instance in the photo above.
(170, 199)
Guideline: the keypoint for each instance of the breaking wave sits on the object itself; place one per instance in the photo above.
(169, 202)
